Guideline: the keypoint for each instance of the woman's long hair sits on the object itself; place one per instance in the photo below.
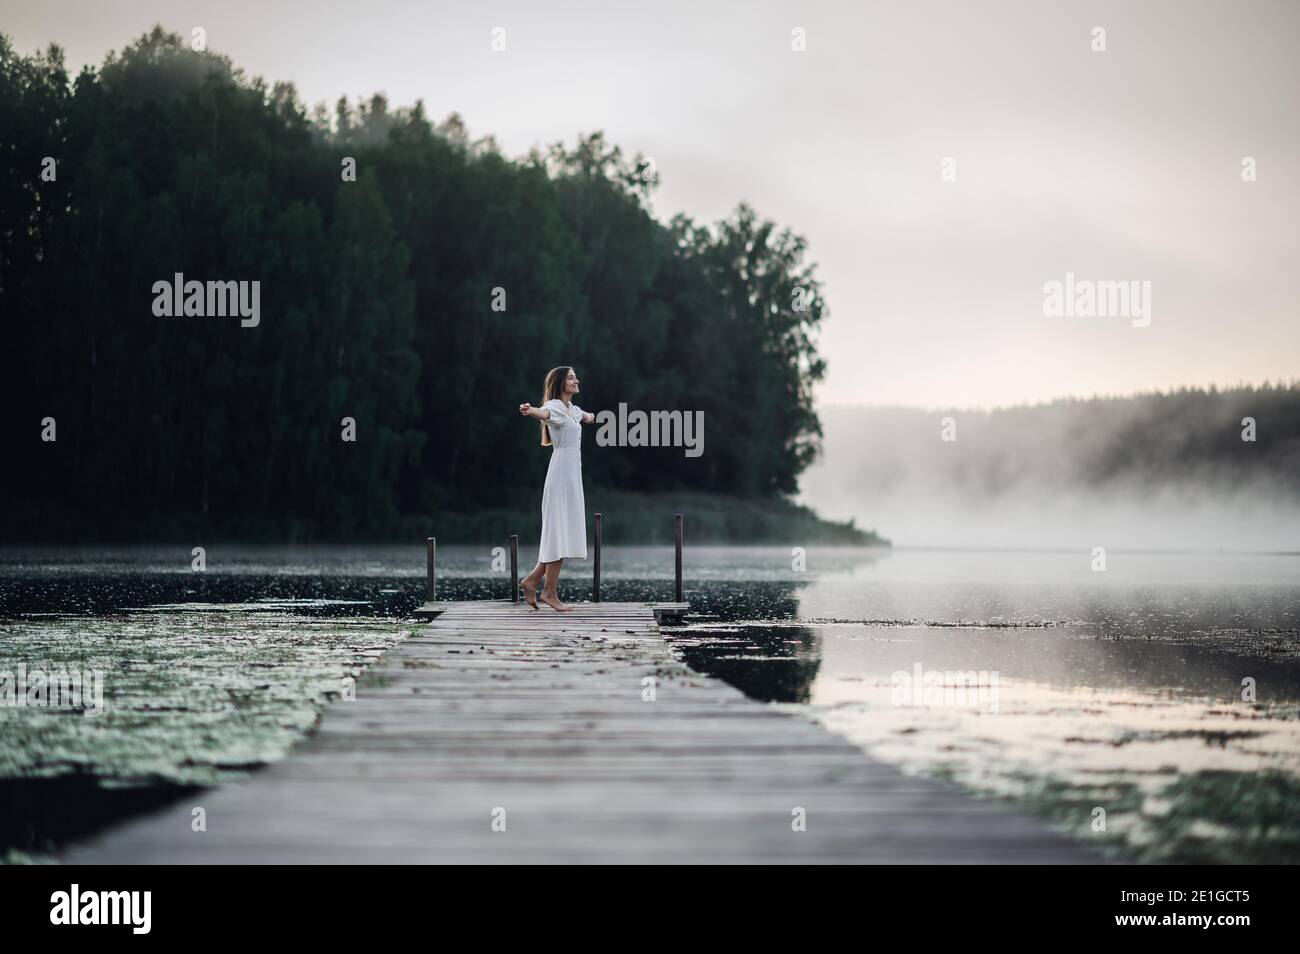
(553, 390)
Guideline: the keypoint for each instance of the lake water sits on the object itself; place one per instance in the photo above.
(1152, 709)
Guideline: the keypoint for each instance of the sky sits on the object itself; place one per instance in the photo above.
(1122, 164)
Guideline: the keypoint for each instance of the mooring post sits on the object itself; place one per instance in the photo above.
(677, 527)
(514, 568)
(595, 581)
(431, 581)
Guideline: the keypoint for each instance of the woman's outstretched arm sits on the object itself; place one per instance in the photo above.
(588, 417)
(541, 413)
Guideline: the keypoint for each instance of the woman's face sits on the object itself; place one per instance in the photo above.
(571, 382)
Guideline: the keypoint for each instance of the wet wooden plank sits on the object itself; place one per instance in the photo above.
(586, 738)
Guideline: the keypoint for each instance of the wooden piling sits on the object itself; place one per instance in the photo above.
(514, 568)
(595, 580)
(431, 578)
(677, 530)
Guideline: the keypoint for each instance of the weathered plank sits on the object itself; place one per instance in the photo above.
(593, 743)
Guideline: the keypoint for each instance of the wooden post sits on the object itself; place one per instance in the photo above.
(677, 527)
(595, 582)
(514, 568)
(430, 586)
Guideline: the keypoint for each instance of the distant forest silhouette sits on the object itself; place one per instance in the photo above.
(1186, 435)
(1168, 470)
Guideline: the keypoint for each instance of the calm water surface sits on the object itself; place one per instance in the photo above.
(1161, 697)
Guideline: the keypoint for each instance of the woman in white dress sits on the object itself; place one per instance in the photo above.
(564, 511)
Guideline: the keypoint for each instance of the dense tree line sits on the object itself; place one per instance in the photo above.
(376, 301)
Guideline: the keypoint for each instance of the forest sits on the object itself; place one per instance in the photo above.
(412, 280)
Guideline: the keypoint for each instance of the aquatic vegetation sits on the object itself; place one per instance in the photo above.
(192, 697)
(1128, 699)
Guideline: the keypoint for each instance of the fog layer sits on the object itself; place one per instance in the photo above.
(1160, 471)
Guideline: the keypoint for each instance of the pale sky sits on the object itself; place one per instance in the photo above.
(1115, 165)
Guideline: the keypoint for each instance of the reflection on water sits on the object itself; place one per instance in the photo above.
(1144, 730)
(775, 664)
(1127, 691)
(1165, 693)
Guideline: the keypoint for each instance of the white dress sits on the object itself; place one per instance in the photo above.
(564, 510)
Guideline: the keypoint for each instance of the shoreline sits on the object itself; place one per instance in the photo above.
(630, 518)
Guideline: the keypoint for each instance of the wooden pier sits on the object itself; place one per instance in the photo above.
(666, 611)
(499, 733)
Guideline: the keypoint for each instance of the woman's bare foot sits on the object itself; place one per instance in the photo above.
(530, 592)
(553, 601)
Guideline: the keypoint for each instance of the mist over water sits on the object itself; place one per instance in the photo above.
(1152, 472)
(1121, 689)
